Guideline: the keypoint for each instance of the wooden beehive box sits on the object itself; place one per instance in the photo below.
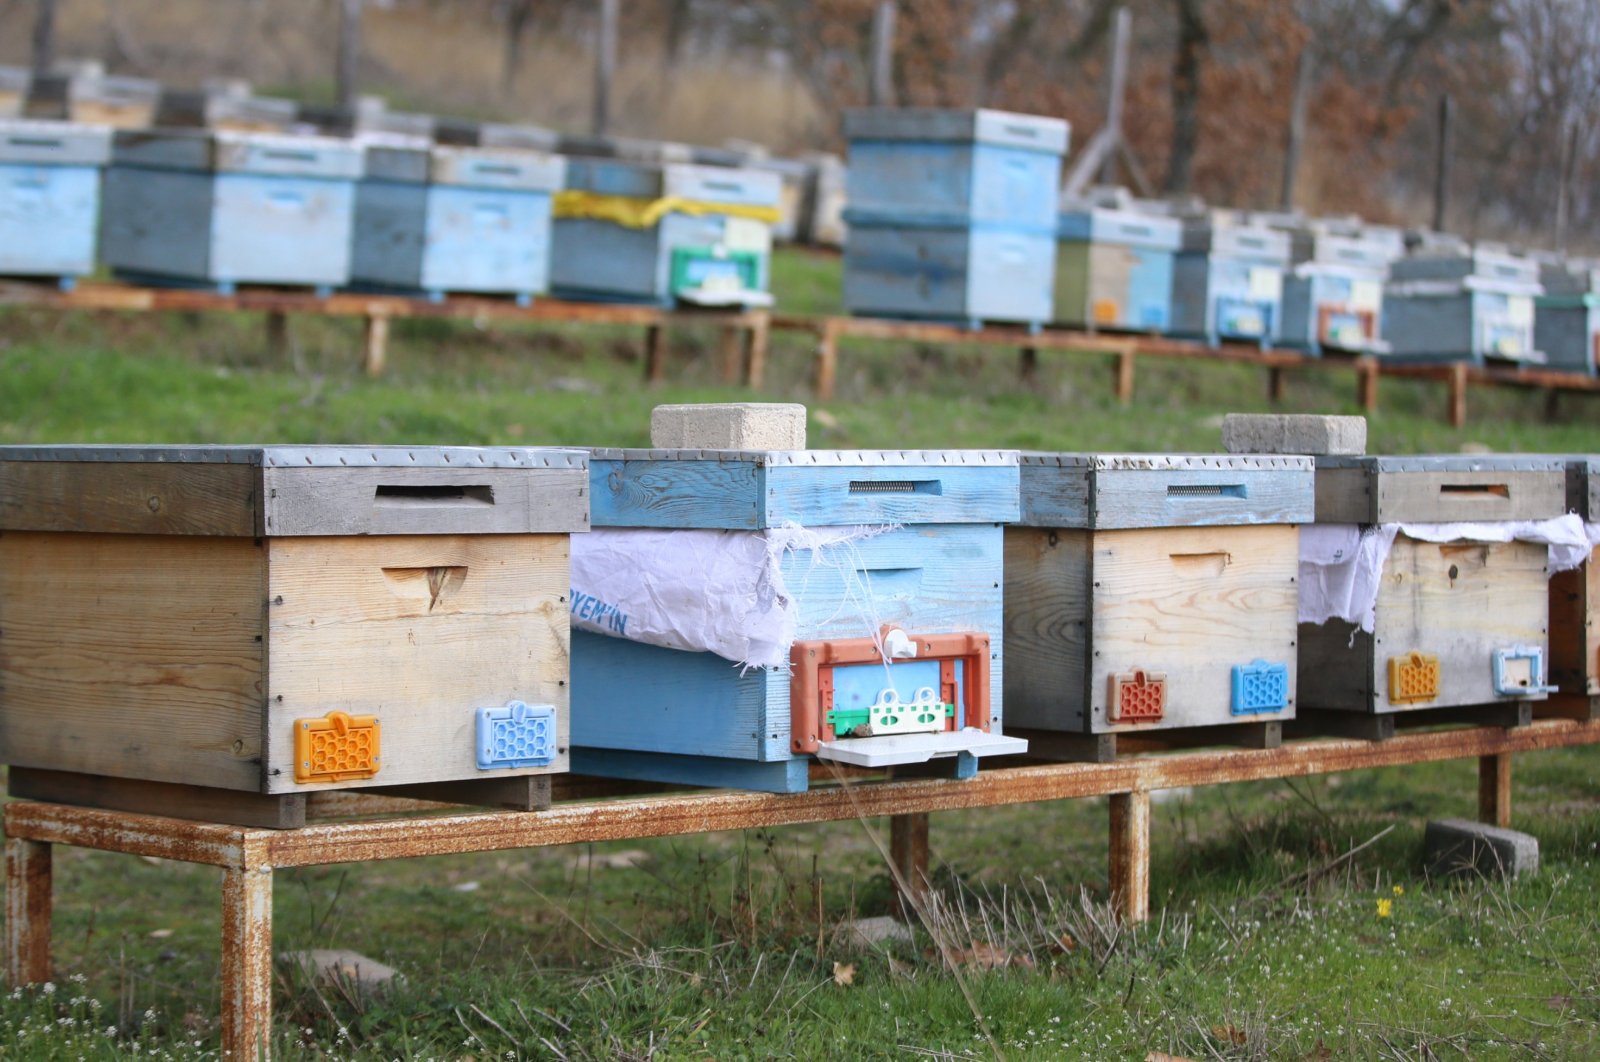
(1228, 282)
(663, 714)
(1468, 305)
(952, 214)
(1114, 269)
(1566, 321)
(50, 197)
(88, 94)
(1333, 294)
(1148, 592)
(1575, 604)
(1445, 611)
(664, 234)
(13, 90)
(447, 219)
(221, 208)
(278, 620)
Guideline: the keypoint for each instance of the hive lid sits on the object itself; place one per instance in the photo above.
(1125, 227)
(1002, 128)
(257, 491)
(467, 167)
(1120, 491)
(237, 152)
(1440, 488)
(1222, 239)
(54, 143)
(751, 489)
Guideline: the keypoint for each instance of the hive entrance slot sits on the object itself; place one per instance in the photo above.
(896, 486)
(397, 496)
(1206, 490)
(1475, 490)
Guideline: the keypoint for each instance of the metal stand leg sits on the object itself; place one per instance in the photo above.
(908, 847)
(1494, 789)
(28, 909)
(247, 963)
(1130, 855)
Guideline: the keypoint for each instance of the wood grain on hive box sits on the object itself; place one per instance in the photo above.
(1191, 604)
(1457, 601)
(189, 659)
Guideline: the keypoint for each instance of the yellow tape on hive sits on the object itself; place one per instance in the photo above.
(636, 213)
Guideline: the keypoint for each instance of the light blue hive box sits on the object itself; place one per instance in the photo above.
(50, 198)
(1566, 318)
(664, 234)
(1114, 268)
(219, 209)
(1473, 305)
(952, 214)
(667, 715)
(1228, 282)
(1333, 292)
(445, 219)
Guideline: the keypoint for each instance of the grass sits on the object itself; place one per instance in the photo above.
(1265, 944)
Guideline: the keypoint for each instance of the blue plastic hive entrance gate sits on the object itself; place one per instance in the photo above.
(1519, 671)
(516, 735)
(1260, 686)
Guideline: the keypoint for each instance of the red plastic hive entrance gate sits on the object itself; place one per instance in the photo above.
(1326, 314)
(811, 681)
(1138, 697)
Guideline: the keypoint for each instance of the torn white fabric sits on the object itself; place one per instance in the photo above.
(1341, 565)
(720, 592)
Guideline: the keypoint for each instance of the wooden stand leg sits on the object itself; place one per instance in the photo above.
(1494, 789)
(1367, 384)
(827, 360)
(1275, 384)
(655, 354)
(1130, 855)
(247, 963)
(375, 344)
(1124, 378)
(755, 364)
(1028, 364)
(1458, 395)
(277, 332)
(908, 848)
(731, 349)
(28, 908)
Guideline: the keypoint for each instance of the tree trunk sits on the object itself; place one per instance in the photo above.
(518, 14)
(1186, 61)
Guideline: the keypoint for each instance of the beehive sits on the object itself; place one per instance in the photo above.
(1148, 592)
(85, 93)
(224, 104)
(1457, 623)
(13, 90)
(278, 620)
(952, 214)
(448, 219)
(635, 232)
(1566, 318)
(1114, 268)
(1575, 598)
(1333, 292)
(931, 571)
(1227, 282)
(222, 208)
(1462, 305)
(50, 197)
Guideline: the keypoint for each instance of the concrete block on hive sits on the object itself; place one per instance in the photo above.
(1293, 433)
(1459, 846)
(729, 426)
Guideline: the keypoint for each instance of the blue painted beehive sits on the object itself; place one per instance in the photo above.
(866, 584)
(1228, 282)
(1566, 318)
(1333, 294)
(1151, 592)
(446, 219)
(192, 207)
(50, 197)
(1472, 305)
(635, 232)
(1114, 268)
(952, 214)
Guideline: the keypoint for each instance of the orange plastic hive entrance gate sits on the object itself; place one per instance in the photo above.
(335, 748)
(811, 681)
(1413, 677)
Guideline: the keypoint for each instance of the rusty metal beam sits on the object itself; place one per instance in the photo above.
(704, 812)
(247, 963)
(28, 909)
(1130, 855)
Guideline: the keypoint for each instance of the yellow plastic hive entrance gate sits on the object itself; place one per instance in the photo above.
(1138, 697)
(1413, 677)
(335, 748)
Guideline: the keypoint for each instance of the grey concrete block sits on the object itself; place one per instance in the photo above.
(349, 967)
(1293, 433)
(1460, 846)
(729, 426)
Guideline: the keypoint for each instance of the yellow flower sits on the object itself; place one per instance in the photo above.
(1399, 890)
(1384, 907)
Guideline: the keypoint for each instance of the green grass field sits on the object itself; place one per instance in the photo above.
(1265, 943)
